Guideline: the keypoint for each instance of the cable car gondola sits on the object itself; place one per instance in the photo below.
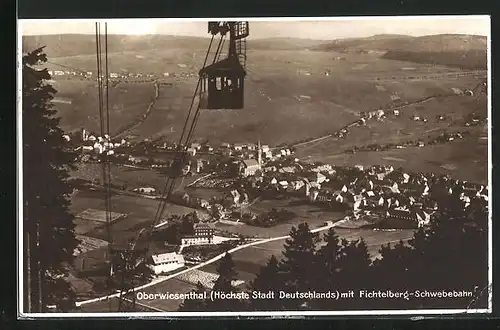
(222, 83)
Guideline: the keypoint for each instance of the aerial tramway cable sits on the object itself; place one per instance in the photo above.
(103, 106)
(182, 154)
(178, 161)
(170, 182)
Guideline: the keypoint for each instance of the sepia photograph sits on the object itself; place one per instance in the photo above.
(254, 166)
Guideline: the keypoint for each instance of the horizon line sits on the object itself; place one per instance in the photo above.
(255, 38)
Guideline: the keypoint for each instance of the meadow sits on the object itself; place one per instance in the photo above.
(140, 213)
(288, 95)
(127, 102)
(448, 158)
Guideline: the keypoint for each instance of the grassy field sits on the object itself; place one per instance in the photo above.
(273, 110)
(140, 212)
(127, 102)
(313, 214)
(132, 177)
(448, 158)
(271, 101)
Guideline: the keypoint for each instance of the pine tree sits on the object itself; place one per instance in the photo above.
(449, 254)
(195, 305)
(268, 280)
(326, 268)
(354, 272)
(342, 266)
(298, 264)
(223, 284)
(48, 225)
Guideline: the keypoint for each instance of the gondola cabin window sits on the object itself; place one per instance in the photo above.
(222, 85)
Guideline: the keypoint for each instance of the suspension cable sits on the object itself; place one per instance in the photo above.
(104, 128)
(170, 187)
(108, 163)
(180, 156)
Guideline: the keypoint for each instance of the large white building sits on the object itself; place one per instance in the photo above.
(203, 234)
(249, 167)
(166, 262)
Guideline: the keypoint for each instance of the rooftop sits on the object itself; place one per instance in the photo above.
(250, 162)
(167, 257)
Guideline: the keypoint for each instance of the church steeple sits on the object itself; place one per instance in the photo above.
(260, 155)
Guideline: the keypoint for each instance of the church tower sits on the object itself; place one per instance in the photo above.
(260, 156)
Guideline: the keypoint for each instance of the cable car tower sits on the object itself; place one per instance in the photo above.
(222, 83)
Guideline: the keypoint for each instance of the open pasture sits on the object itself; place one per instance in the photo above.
(127, 102)
(435, 158)
(129, 177)
(99, 215)
(275, 111)
(284, 109)
(121, 175)
(140, 212)
(399, 129)
(312, 214)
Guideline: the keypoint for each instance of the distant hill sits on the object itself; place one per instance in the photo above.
(433, 43)
(64, 45)
(284, 43)
(466, 51)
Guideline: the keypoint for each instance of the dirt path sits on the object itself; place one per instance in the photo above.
(136, 123)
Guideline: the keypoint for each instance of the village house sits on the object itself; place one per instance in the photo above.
(313, 194)
(251, 146)
(410, 188)
(423, 218)
(265, 148)
(166, 262)
(146, 190)
(324, 168)
(249, 167)
(196, 146)
(287, 169)
(191, 151)
(312, 186)
(199, 165)
(402, 215)
(239, 146)
(270, 169)
(283, 184)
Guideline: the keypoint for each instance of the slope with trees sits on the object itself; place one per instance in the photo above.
(48, 225)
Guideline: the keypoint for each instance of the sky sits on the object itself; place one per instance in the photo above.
(319, 28)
